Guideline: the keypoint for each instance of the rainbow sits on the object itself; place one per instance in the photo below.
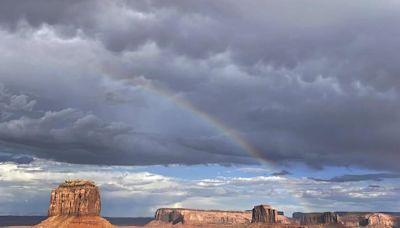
(220, 126)
(227, 132)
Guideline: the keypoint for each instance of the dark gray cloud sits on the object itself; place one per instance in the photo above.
(18, 159)
(281, 173)
(374, 186)
(310, 82)
(361, 177)
(73, 136)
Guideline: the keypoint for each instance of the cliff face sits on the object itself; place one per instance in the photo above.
(204, 217)
(348, 219)
(353, 219)
(264, 214)
(75, 198)
(316, 218)
(381, 220)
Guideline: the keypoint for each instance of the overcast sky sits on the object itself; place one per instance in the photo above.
(305, 91)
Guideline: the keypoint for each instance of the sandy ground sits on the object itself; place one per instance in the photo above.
(14, 226)
(30, 226)
(129, 226)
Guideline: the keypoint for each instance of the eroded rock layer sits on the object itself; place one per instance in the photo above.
(381, 220)
(190, 216)
(316, 218)
(264, 214)
(78, 197)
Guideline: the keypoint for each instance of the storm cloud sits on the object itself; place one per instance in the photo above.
(360, 177)
(100, 81)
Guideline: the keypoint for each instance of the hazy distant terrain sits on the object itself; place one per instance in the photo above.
(20, 220)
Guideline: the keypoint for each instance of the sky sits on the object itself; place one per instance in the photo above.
(201, 104)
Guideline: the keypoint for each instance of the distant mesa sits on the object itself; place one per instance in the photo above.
(316, 218)
(173, 216)
(348, 219)
(75, 204)
(265, 216)
(368, 219)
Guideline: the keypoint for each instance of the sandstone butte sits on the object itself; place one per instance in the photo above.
(75, 204)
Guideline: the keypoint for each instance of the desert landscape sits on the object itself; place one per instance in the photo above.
(77, 204)
(199, 113)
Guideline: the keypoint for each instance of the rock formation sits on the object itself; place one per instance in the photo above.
(355, 219)
(75, 198)
(316, 218)
(380, 220)
(75, 204)
(281, 219)
(203, 217)
(264, 214)
(349, 219)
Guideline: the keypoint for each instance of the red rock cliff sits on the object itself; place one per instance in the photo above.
(264, 214)
(381, 220)
(204, 217)
(78, 197)
(316, 218)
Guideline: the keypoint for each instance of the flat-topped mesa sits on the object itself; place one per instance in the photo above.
(317, 218)
(204, 217)
(75, 197)
(76, 183)
(264, 214)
